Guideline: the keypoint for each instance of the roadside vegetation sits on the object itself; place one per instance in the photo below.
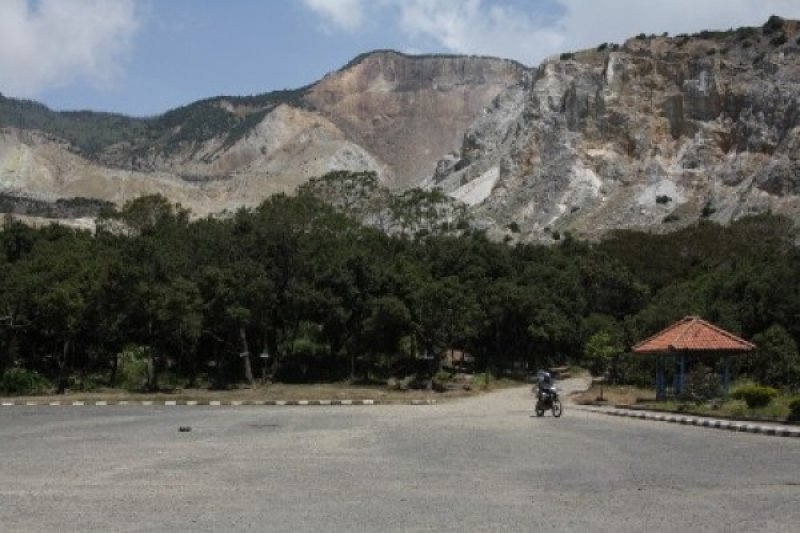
(746, 401)
(301, 291)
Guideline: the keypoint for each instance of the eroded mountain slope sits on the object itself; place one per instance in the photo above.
(655, 133)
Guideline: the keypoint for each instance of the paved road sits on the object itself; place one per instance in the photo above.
(483, 464)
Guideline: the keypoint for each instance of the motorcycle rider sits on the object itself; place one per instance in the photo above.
(545, 384)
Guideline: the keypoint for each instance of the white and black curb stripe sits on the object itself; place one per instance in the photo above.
(712, 423)
(216, 403)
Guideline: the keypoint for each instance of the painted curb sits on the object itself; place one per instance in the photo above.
(215, 403)
(699, 421)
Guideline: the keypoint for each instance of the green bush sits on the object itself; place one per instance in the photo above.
(132, 370)
(440, 381)
(21, 381)
(482, 380)
(794, 409)
(755, 395)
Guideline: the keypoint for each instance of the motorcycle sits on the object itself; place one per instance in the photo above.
(548, 399)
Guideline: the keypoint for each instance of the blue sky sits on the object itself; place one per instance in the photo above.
(142, 57)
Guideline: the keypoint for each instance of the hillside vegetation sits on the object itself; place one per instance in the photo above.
(91, 133)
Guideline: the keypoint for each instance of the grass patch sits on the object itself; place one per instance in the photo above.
(776, 411)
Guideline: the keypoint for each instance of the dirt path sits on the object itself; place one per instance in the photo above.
(514, 400)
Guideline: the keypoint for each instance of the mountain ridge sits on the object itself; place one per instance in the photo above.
(654, 133)
(223, 152)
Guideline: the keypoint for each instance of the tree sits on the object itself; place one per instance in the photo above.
(777, 361)
(51, 291)
(601, 350)
(175, 310)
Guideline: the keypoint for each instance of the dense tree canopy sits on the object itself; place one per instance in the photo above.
(325, 296)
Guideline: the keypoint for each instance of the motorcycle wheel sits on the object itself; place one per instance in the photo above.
(557, 410)
(539, 409)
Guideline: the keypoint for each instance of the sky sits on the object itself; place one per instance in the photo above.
(143, 57)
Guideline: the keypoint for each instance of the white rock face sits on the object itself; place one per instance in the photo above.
(654, 134)
(479, 189)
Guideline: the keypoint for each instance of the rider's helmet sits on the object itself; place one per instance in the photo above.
(544, 378)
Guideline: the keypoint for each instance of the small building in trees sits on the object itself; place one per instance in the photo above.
(689, 341)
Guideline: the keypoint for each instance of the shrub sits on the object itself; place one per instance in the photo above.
(773, 24)
(777, 359)
(132, 369)
(794, 409)
(779, 40)
(708, 210)
(400, 384)
(21, 381)
(663, 199)
(440, 380)
(567, 55)
(744, 32)
(755, 395)
(481, 380)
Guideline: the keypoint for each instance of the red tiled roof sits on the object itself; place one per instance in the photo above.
(693, 334)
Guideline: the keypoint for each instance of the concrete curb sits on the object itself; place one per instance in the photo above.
(699, 421)
(216, 403)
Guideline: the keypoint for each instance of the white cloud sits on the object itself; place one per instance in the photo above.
(538, 30)
(474, 27)
(346, 15)
(50, 43)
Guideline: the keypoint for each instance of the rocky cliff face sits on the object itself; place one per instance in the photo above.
(656, 133)
(388, 112)
(410, 112)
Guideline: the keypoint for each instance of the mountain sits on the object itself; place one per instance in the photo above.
(656, 133)
(389, 112)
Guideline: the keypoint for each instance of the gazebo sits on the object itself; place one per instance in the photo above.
(691, 337)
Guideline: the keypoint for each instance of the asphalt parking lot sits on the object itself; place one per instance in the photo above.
(482, 464)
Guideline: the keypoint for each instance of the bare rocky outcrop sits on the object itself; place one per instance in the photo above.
(411, 110)
(656, 133)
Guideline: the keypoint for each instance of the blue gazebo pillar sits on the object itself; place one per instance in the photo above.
(679, 375)
(661, 385)
(726, 375)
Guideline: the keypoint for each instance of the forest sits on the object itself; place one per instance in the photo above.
(301, 289)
